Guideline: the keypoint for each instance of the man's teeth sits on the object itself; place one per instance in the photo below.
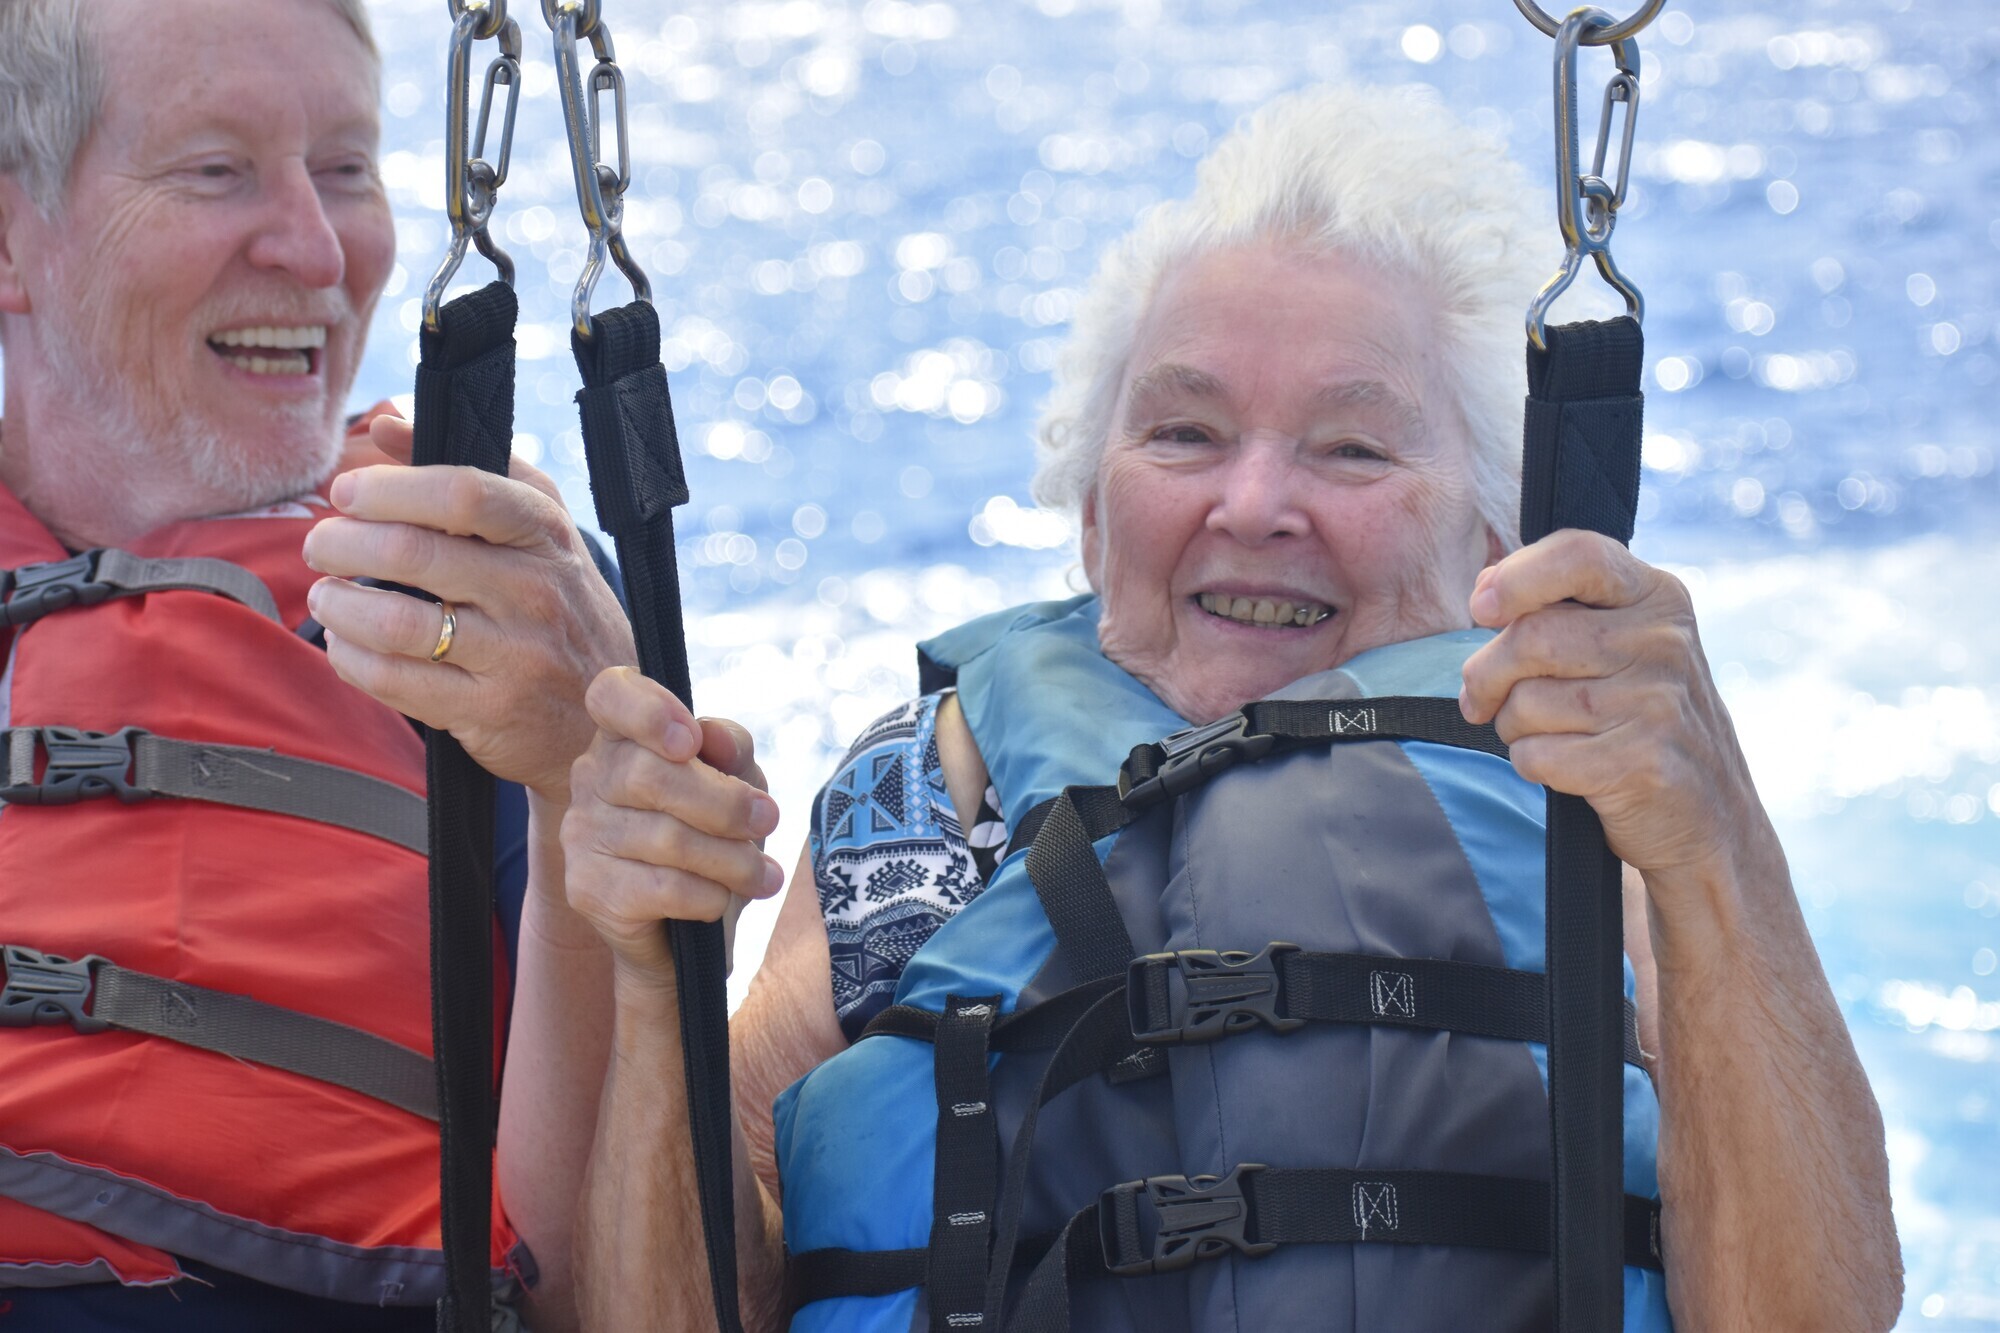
(307, 335)
(1263, 610)
(290, 350)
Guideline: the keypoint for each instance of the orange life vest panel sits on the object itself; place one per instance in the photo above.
(119, 1151)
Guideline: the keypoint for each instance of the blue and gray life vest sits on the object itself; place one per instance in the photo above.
(1250, 1040)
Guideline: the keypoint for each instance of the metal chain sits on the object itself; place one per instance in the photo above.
(1586, 203)
(600, 186)
(472, 183)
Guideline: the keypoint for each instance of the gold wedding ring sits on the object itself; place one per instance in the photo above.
(446, 632)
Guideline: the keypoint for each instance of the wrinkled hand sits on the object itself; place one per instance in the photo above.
(666, 820)
(536, 621)
(1598, 685)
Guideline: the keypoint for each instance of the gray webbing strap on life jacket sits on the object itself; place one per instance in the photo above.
(135, 765)
(97, 575)
(94, 995)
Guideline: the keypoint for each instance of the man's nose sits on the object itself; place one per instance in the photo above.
(1259, 496)
(295, 234)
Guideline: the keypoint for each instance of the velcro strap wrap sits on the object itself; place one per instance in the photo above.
(1584, 409)
(636, 475)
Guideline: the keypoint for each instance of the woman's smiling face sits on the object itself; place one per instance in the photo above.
(1286, 484)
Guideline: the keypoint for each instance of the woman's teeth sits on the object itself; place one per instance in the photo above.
(267, 350)
(1263, 610)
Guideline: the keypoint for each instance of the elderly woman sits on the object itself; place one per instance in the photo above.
(1288, 424)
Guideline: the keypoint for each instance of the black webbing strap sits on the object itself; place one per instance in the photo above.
(136, 765)
(1166, 1223)
(965, 1182)
(93, 994)
(636, 479)
(1070, 882)
(1165, 994)
(1580, 469)
(101, 573)
(464, 417)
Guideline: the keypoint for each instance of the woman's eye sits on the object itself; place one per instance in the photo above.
(1352, 449)
(215, 171)
(1183, 433)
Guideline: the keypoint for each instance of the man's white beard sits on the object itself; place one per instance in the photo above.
(150, 440)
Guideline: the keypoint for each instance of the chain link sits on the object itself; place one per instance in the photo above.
(472, 182)
(600, 185)
(1586, 203)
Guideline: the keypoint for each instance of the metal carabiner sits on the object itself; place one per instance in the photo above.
(1615, 32)
(1586, 204)
(600, 186)
(472, 183)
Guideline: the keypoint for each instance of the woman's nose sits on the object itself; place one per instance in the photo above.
(1259, 496)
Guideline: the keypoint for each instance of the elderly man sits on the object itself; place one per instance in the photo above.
(193, 235)
(1289, 422)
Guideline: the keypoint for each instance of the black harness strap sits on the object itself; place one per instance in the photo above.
(1580, 469)
(464, 417)
(636, 479)
(965, 1180)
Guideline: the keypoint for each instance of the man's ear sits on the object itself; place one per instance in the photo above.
(17, 213)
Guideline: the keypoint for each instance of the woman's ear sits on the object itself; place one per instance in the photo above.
(1092, 541)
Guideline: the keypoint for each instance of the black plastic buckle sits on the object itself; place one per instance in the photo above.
(1192, 757)
(1191, 1219)
(39, 590)
(1218, 994)
(43, 988)
(82, 765)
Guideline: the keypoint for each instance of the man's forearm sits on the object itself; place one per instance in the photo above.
(1771, 1149)
(557, 1046)
(639, 1241)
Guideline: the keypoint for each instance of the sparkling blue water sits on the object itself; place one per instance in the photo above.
(867, 220)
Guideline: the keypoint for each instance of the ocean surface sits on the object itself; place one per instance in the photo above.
(866, 222)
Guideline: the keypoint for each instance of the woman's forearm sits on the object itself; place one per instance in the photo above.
(557, 1044)
(639, 1243)
(1772, 1161)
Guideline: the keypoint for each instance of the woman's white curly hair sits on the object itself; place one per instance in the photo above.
(1386, 175)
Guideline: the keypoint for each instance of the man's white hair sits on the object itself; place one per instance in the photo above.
(1384, 175)
(51, 85)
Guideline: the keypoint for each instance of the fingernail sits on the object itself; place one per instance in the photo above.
(681, 738)
(341, 493)
(763, 814)
(1465, 705)
(1485, 604)
(313, 598)
(774, 876)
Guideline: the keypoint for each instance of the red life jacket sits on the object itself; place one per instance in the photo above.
(119, 1150)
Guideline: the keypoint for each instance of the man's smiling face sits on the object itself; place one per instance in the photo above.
(198, 310)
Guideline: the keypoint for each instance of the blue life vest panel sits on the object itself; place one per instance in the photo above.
(1394, 849)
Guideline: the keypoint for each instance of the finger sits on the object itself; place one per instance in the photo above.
(664, 841)
(1570, 565)
(461, 501)
(627, 775)
(627, 705)
(728, 746)
(457, 568)
(1576, 765)
(396, 623)
(1567, 642)
(392, 435)
(1545, 707)
(426, 691)
(627, 900)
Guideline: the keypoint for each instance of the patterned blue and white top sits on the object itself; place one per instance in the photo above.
(890, 858)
